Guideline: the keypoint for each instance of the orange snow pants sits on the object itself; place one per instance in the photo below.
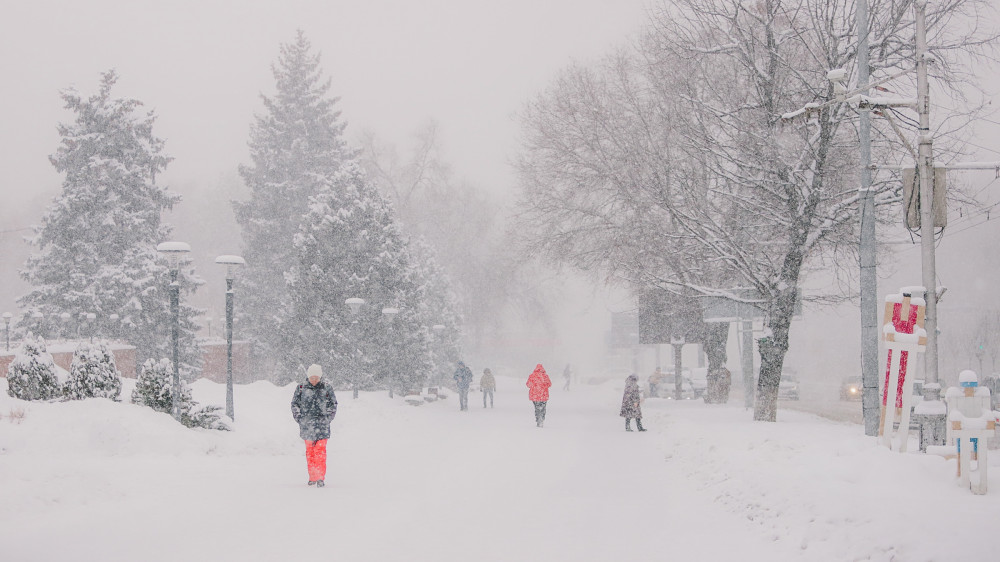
(316, 459)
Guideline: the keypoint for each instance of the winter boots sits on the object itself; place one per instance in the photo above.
(317, 483)
(638, 424)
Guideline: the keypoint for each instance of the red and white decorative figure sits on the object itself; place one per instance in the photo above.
(903, 334)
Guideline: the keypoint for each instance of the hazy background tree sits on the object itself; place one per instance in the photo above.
(296, 146)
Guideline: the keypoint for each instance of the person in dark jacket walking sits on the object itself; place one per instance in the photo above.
(632, 403)
(463, 378)
(538, 392)
(314, 406)
(488, 384)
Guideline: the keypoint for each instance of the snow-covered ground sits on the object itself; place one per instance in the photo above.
(97, 480)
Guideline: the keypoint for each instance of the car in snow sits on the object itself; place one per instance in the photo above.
(850, 388)
(668, 387)
(788, 387)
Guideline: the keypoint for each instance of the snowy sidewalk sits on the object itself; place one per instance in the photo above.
(95, 480)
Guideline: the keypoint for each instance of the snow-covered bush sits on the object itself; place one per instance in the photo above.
(32, 374)
(154, 389)
(93, 373)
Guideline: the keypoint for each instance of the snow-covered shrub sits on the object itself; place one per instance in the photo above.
(154, 389)
(208, 416)
(32, 374)
(93, 373)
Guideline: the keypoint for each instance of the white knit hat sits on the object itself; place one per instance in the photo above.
(314, 370)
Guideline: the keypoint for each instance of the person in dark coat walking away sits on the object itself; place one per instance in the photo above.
(314, 406)
(632, 403)
(488, 384)
(463, 378)
(568, 375)
(538, 392)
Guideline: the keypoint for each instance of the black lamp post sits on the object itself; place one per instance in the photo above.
(6, 320)
(231, 263)
(354, 304)
(91, 323)
(64, 318)
(36, 320)
(390, 314)
(175, 251)
(438, 330)
(678, 343)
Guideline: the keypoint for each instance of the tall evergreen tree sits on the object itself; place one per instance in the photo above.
(98, 239)
(349, 246)
(295, 147)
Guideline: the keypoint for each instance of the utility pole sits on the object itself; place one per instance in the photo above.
(925, 167)
(869, 280)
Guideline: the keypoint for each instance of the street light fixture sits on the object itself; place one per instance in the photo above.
(232, 263)
(438, 330)
(354, 303)
(6, 320)
(678, 343)
(390, 314)
(175, 251)
(64, 318)
(36, 319)
(91, 321)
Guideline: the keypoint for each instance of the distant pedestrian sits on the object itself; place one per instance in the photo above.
(632, 403)
(538, 392)
(654, 382)
(568, 375)
(463, 378)
(314, 406)
(488, 384)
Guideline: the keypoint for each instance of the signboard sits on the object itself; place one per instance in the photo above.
(723, 309)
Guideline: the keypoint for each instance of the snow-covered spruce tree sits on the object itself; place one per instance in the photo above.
(93, 373)
(32, 373)
(349, 246)
(97, 242)
(295, 147)
(154, 389)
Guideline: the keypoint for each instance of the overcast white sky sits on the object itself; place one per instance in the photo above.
(202, 63)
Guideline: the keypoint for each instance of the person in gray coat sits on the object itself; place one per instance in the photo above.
(314, 406)
(632, 403)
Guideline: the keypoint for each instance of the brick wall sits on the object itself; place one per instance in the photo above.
(213, 356)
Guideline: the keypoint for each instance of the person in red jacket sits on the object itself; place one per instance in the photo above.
(538, 392)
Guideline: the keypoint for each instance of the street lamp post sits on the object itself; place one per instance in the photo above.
(354, 304)
(36, 320)
(389, 314)
(231, 263)
(175, 251)
(438, 330)
(91, 323)
(6, 320)
(113, 319)
(64, 318)
(678, 343)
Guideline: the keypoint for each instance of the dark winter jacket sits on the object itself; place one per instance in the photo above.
(631, 399)
(463, 376)
(314, 407)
